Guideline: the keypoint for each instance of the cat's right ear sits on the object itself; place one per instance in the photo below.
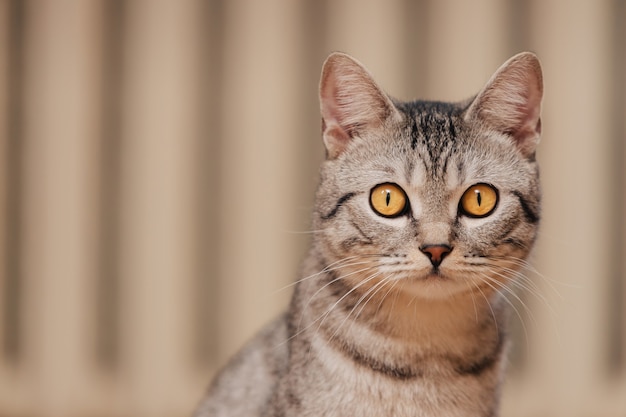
(350, 101)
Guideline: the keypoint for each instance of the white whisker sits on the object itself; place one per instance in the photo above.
(322, 318)
(335, 266)
(371, 292)
(488, 280)
(330, 268)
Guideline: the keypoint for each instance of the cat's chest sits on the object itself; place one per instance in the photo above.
(372, 395)
(339, 385)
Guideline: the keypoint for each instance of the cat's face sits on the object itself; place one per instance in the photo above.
(433, 198)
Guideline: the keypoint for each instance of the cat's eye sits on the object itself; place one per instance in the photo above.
(479, 200)
(388, 200)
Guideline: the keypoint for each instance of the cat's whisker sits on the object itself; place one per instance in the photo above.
(361, 283)
(529, 267)
(380, 286)
(536, 292)
(384, 297)
(493, 313)
(489, 281)
(386, 280)
(470, 285)
(335, 266)
(331, 282)
(338, 278)
(301, 330)
(511, 291)
(369, 293)
(322, 317)
(397, 294)
(518, 279)
(523, 282)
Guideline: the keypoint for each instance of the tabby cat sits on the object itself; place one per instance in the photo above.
(424, 216)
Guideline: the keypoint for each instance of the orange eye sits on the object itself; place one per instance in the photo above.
(479, 200)
(388, 200)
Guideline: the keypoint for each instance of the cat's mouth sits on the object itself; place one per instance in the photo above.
(422, 274)
(435, 274)
(435, 283)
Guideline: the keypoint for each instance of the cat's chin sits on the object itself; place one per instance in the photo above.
(435, 285)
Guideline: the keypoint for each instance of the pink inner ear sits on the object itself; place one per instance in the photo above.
(529, 121)
(529, 127)
(335, 132)
(334, 111)
(336, 140)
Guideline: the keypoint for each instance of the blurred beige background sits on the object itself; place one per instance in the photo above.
(159, 159)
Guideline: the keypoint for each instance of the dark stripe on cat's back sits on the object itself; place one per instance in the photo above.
(340, 202)
(529, 213)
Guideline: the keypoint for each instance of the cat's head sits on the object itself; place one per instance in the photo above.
(441, 197)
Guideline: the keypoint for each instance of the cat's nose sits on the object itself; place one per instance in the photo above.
(436, 253)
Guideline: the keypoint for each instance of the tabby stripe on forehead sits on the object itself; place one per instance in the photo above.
(414, 133)
(340, 202)
(530, 215)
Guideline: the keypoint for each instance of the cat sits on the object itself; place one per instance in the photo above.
(424, 216)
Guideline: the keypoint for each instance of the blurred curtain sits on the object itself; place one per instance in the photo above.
(159, 160)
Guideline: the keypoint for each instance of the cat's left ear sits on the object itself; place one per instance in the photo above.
(510, 103)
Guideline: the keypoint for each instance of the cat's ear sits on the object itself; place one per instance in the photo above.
(510, 103)
(350, 101)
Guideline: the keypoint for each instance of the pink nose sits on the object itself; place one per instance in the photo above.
(436, 253)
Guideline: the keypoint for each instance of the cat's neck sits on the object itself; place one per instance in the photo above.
(467, 314)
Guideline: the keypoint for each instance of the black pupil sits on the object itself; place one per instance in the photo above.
(479, 198)
(388, 197)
